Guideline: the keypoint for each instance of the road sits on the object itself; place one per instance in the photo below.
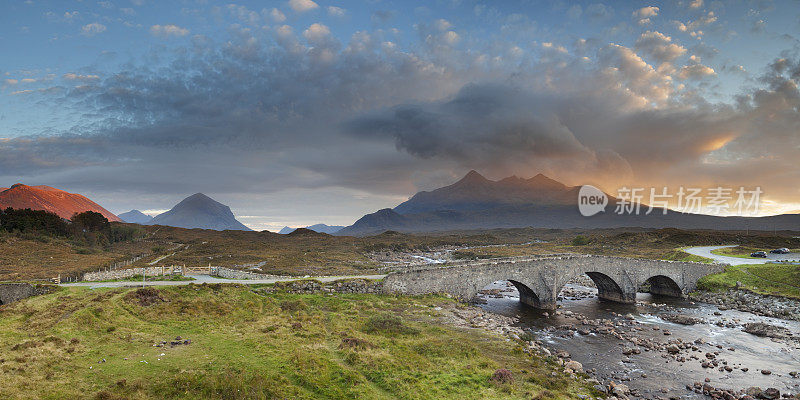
(199, 279)
(705, 251)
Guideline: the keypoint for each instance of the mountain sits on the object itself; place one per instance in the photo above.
(474, 192)
(320, 228)
(200, 211)
(59, 202)
(135, 217)
(475, 202)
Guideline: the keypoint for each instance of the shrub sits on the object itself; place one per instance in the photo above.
(292, 305)
(355, 343)
(580, 240)
(145, 296)
(502, 376)
(387, 323)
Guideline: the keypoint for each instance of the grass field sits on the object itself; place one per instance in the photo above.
(309, 253)
(774, 279)
(79, 343)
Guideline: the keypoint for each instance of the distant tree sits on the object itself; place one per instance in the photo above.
(90, 229)
(27, 220)
(123, 232)
(90, 221)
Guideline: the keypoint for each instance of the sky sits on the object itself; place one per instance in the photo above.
(299, 112)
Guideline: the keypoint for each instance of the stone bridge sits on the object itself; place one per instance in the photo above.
(540, 279)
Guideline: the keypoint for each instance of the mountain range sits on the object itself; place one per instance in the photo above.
(59, 202)
(135, 217)
(199, 211)
(475, 202)
(319, 228)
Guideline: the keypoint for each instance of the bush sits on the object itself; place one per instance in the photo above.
(292, 305)
(145, 296)
(501, 376)
(387, 323)
(355, 343)
(580, 240)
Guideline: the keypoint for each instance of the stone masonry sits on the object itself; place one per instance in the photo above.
(11, 292)
(539, 279)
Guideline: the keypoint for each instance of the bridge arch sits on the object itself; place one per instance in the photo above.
(526, 294)
(663, 285)
(609, 289)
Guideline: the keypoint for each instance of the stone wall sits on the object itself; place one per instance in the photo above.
(130, 272)
(11, 292)
(228, 273)
(342, 286)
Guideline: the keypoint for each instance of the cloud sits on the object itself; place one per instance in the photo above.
(317, 33)
(84, 78)
(334, 11)
(301, 6)
(92, 29)
(696, 4)
(277, 15)
(644, 14)
(166, 31)
(696, 71)
(659, 46)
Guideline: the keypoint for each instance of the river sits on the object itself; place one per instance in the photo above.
(640, 328)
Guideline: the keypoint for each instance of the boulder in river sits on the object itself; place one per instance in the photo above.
(682, 319)
(767, 330)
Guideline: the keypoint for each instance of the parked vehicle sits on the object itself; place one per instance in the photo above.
(762, 254)
(782, 250)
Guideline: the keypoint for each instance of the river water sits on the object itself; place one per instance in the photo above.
(653, 372)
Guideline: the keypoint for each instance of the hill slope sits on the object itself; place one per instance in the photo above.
(200, 211)
(59, 202)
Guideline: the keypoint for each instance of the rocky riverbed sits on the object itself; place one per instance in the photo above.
(743, 300)
(652, 350)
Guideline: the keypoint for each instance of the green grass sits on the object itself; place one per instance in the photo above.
(249, 345)
(680, 255)
(738, 251)
(774, 279)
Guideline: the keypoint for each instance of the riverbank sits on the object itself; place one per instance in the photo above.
(237, 342)
(755, 303)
